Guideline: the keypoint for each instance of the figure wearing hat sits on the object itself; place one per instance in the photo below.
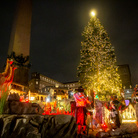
(81, 101)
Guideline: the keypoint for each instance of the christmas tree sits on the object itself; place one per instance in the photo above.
(97, 70)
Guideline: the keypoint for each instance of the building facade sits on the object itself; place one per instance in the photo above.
(42, 84)
(125, 76)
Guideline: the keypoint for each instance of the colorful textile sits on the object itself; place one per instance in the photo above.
(80, 115)
(81, 99)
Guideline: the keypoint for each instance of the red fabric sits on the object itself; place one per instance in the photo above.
(80, 116)
(81, 99)
(73, 106)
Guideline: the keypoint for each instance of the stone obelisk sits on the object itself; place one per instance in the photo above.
(19, 46)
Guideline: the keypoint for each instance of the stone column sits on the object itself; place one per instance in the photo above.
(19, 46)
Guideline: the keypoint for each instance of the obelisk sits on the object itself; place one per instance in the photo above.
(19, 46)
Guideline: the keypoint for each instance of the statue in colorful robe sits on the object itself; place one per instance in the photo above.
(81, 101)
(114, 106)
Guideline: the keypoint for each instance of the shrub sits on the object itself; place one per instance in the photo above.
(3, 97)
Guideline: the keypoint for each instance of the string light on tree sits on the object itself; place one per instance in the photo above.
(97, 69)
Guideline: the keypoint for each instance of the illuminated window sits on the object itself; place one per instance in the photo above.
(36, 82)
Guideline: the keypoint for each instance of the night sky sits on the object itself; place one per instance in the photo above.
(56, 34)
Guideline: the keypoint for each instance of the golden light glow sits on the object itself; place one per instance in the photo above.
(56, 85)
(92, 13)
(129, 121)
(32, 98)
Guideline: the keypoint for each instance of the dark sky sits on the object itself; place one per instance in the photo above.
(56, 33)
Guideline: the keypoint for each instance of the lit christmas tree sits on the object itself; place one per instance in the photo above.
(97, 70)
